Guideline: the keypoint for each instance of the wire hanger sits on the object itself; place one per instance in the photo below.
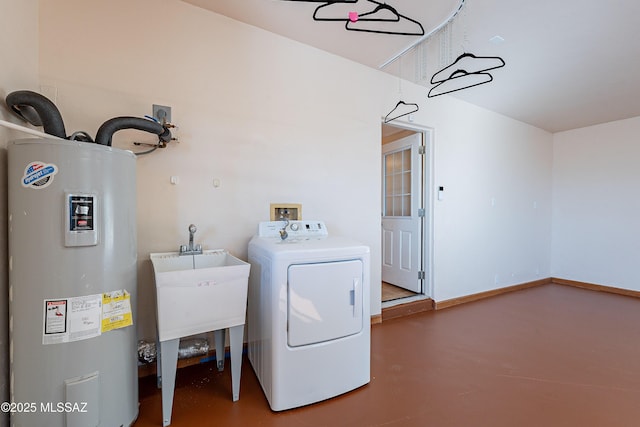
(401, 105)
(460, 80)
(469, 63)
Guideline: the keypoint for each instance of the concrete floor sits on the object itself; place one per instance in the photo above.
(546, 356)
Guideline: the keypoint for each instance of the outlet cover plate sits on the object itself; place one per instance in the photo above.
(162, 113)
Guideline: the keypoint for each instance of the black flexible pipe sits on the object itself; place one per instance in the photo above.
(37, 110)
(111, 126)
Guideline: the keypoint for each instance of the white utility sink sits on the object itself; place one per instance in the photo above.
(197, 294)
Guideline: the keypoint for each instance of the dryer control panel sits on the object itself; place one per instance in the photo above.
(293, 228)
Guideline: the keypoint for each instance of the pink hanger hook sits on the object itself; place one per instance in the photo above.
(353, 16)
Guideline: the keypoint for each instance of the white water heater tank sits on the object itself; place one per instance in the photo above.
(72, 284)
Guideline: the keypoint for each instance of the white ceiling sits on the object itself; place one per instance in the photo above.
(569, 63)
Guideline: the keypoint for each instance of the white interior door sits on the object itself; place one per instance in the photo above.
(402, 213)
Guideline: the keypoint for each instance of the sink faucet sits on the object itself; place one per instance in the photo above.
(192, 231)
(191, 250)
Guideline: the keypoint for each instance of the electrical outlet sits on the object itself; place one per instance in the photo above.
(162, 113)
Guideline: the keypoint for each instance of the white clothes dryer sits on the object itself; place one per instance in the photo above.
(308, 326)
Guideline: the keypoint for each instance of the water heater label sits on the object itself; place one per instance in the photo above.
(81, 219)
(55, 320)
(116, 310)
(81, 210)
(80, 318)
(72, 319)
(39, 175)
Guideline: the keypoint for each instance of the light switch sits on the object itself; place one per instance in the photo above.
(174, 180)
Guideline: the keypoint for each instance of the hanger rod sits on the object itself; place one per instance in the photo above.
(27, 130)
(425, 37)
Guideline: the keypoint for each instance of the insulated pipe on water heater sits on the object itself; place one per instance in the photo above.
(37, 110)
(111, 126)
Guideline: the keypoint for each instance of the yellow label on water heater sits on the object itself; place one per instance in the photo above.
(116, 310)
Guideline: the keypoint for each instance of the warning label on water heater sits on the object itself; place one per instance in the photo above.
(80, 318)
(116, 310)
(72, 319)
(55, 320)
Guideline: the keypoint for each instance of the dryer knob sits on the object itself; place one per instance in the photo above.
(294, 226)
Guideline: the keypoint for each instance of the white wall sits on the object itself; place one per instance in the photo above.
(596, 208)
(277, 121)
(268, 117)
(493, 228)
(19, 70)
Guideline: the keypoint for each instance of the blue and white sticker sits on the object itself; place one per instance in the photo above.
(39, 175)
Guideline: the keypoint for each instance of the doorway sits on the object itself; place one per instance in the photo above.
(405, 214)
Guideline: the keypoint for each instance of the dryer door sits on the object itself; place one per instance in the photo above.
(324, 301)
